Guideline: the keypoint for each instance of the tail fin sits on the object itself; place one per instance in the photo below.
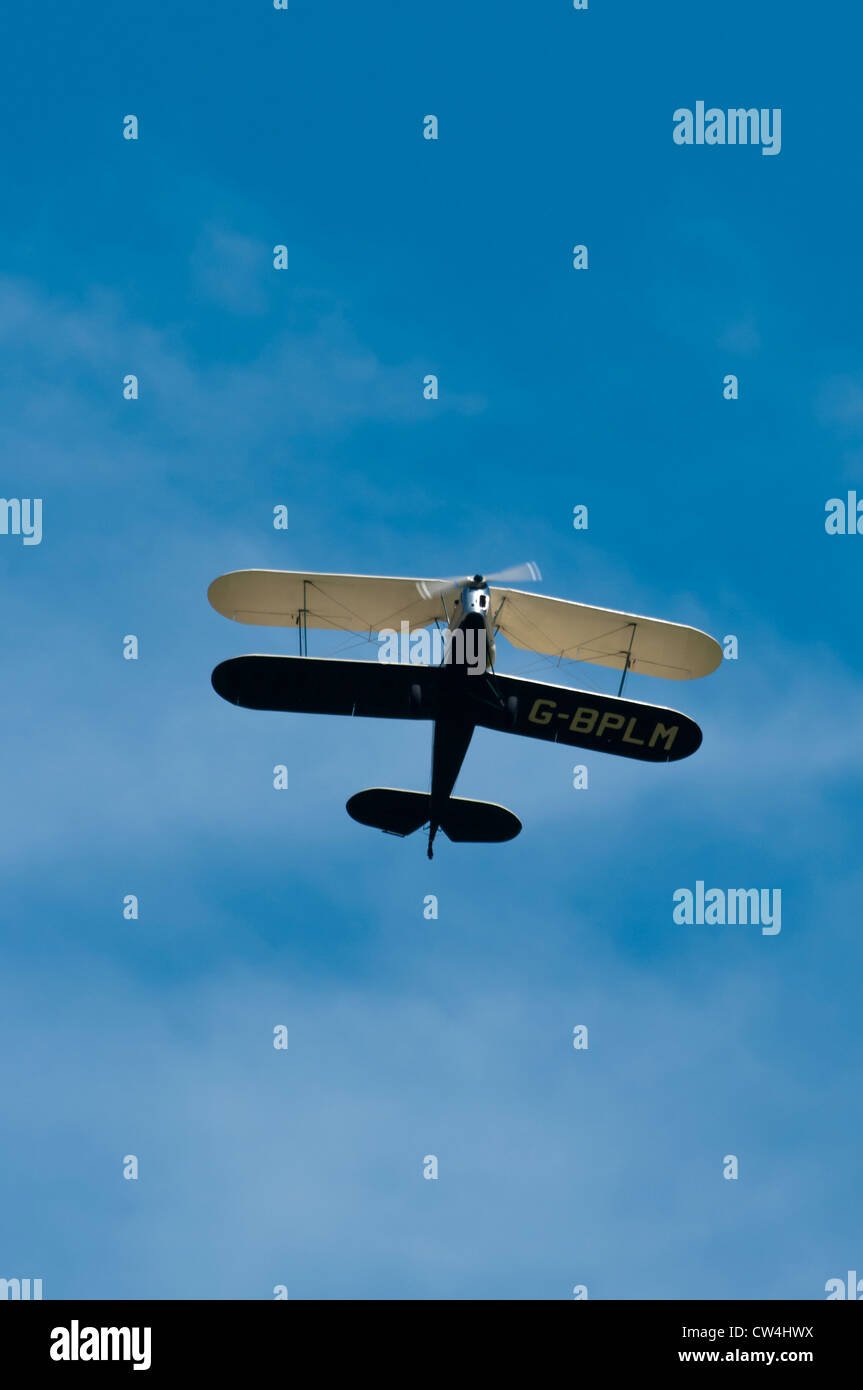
(401, 813)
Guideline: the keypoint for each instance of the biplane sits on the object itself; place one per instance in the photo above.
(464, 691)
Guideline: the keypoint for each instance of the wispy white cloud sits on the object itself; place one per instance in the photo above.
(290, 1160)
(62, 381)
(741, 336)
(232, 270)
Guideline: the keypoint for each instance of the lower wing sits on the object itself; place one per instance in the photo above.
(509, 704)
(582, 719)
(321, 685)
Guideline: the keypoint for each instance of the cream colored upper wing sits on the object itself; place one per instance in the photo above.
(349, 602)
(602, 636)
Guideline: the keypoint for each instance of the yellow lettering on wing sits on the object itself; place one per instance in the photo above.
(583, 720)
(610, 720)
(542, 716)
(661, 732)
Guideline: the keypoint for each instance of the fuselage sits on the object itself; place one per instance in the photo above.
(472, 617)
(469, 655)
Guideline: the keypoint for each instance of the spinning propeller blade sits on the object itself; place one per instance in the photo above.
(519, 574)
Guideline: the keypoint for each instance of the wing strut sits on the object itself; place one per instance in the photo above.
(302, 623)
(626, 663)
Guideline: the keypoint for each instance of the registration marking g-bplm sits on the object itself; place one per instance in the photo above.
(587, 720)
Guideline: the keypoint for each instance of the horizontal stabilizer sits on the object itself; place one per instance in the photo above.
(385, 808)
(401, 813)
(478, 822)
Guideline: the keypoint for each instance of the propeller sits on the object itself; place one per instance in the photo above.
(516, 574)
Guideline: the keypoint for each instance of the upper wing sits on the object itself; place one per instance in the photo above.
(350, 602)
(314, 685)
(581, 719)
(602, 636)
(556, 627)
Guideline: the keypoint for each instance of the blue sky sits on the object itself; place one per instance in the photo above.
(411, 1037)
